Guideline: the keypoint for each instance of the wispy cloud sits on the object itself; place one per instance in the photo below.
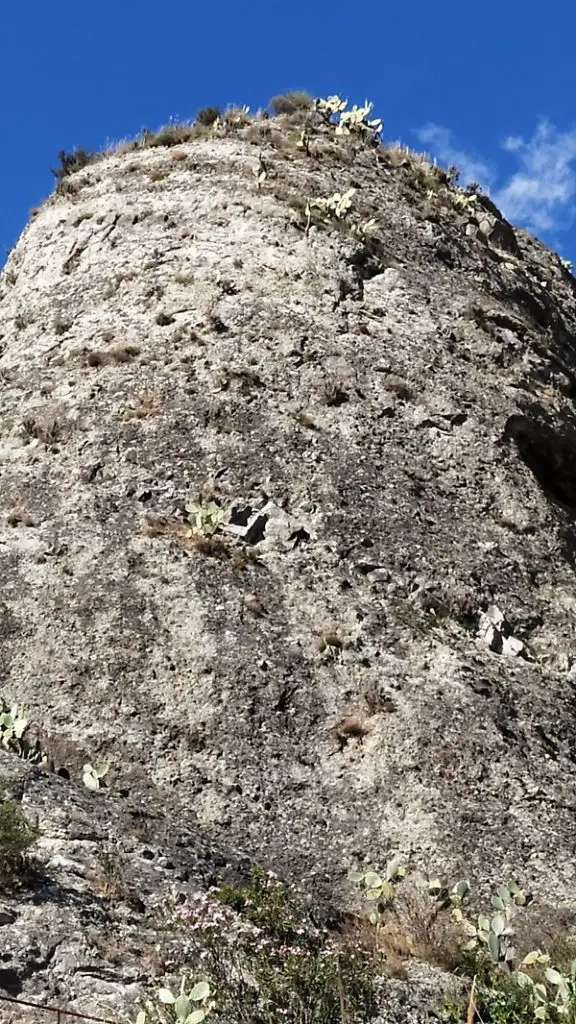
(540, 194)
(439, 141)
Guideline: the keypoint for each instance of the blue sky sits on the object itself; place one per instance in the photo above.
(488, 86)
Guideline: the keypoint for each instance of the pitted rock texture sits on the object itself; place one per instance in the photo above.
(403, 407)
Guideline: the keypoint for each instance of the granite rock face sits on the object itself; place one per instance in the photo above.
(387, 425)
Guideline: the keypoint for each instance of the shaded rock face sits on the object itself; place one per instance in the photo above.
(395, 415)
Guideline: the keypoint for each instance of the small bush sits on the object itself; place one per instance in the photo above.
(170, 135)
(71, 162)
(208, 115)
(17, 837)
(291, 102)
(495, 998)
(267, 960)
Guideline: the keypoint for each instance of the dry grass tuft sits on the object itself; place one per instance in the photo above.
(46, 428)
(165, 526)
(291, 102)
(72, 162)
(216, 546)
(22, 320)
(334, 394)
(551, 929)
(212, 547)
(112, 356)
(431, 933)
(414, 928)
(173, 134)
(163, 319)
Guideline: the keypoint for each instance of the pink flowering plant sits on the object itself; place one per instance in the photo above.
(266, 960)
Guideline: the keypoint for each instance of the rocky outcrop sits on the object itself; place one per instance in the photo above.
(386, 423)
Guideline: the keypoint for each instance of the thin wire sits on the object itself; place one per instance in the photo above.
(58, 1010)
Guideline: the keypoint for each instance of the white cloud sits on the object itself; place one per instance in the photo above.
(513, 142)
(439, 140)
(540, 194)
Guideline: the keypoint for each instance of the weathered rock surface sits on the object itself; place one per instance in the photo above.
(397, 417)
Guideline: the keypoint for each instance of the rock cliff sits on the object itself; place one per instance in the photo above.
(286, 528)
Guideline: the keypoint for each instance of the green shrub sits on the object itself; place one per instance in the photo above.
(497, 999)
(266, 960)
(17, 837)
(74, 161)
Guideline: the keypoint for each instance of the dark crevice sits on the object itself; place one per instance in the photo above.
(548, 453)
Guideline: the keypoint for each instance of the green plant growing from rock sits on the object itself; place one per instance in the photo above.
(465, 201)
(204, 520)
(183, 1007)
(349, 122)
(492, 932)
(337, 205)
(13, 725)
(553, 995)
(337, 208)
(495, 997)
(378, 888)
(328, 209)
(330, 106)
(233, 117)
(449, 897)
(356, 121)
(364, 228)
(303, 141)
(13, 728)
(512, 997)
(507, 896)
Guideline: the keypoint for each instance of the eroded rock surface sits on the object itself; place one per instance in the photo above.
(393, 419)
